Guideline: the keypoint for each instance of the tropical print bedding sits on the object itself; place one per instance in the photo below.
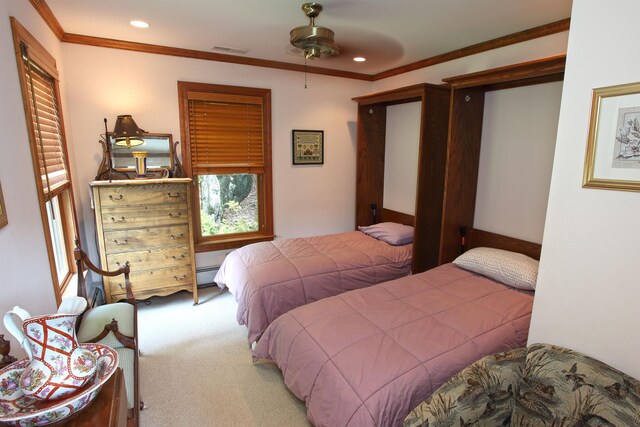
(543, 385)
(367, 357)
(268, 279)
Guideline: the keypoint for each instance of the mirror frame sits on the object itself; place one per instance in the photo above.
(149, 136)
(106, 171)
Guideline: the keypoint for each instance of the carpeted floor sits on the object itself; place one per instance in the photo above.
(196, 368)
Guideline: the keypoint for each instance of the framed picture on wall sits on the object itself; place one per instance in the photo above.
(3, 211)
(613, 147)
(307, 147)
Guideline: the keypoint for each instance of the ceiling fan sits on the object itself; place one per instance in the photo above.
(314, 41)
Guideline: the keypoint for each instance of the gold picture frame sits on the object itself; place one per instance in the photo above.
(612, 160)
(3, 210)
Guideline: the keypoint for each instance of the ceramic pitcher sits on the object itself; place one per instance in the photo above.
(58, 365)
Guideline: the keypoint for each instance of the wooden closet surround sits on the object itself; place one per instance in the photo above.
(449, 153)
(372, 123)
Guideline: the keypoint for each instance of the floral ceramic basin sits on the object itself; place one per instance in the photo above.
(19, 410)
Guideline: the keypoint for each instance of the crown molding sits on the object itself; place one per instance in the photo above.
(522, 36)
(209, 56)
(49, 18)
(546, 69)
(47, 15)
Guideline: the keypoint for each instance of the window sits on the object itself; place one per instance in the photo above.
(54, 215)
(226, 132)
(40, 93)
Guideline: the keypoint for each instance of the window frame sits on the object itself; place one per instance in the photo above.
(265, 192)
(68, 218)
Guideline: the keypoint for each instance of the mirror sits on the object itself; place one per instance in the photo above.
(159, 148)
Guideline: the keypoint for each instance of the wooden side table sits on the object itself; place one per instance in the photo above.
(108, 409)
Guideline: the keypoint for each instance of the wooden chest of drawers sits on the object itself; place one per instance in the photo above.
(147, 223)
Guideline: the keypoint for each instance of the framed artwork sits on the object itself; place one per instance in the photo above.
(3, 211)
(308, 147)
(613, 147)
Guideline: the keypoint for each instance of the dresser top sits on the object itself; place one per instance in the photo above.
(142, 181)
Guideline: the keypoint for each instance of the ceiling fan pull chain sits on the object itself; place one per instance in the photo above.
(305, 72)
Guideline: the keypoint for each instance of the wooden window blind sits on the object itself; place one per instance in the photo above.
(41, 95)
(45, 129)
(226, 133)
(226, 130)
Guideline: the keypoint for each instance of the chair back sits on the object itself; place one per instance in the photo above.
(82, 259)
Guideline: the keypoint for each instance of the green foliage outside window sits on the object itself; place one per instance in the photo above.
(228, 204)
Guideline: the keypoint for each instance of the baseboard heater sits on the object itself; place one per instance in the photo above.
(205, 276)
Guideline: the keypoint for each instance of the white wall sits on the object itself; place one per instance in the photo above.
(402, 143)
(518, 139)
(307, 199)
(587, 294)
(495, 204)
(25, 277)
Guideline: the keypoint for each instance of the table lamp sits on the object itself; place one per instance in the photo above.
(126, 133)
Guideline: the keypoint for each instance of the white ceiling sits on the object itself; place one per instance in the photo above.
(389, 33)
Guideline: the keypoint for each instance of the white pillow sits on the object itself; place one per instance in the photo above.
(390, 232)
(511, 268)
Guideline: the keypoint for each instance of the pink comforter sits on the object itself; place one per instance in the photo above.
(270, 278)
(367, 357)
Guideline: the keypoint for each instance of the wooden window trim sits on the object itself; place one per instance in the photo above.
(39, 55)
(69, 229)
(265, 204)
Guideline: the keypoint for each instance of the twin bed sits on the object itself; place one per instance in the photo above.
(367, 357)
(268, 279)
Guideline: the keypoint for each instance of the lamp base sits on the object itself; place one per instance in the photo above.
(140, 161)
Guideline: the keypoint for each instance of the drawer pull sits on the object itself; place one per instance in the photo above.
(115, 198)
(123, 242)
(181, 257)
(184, 276)
(179, 236)
(120, 285)
(174, 196)
(172, 215)
(121, 219)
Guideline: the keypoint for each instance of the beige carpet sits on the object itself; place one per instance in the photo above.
(196, 368)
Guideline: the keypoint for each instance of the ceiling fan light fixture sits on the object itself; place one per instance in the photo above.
(312, 53)
(313, 40)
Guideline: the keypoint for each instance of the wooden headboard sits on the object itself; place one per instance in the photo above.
(394, 216)
(473, 238)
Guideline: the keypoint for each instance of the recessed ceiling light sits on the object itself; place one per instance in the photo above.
(359, 59)
(139, 24)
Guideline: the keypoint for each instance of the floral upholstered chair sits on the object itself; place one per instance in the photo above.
(541, 385)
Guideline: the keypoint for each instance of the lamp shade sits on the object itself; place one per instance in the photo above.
(126, 132)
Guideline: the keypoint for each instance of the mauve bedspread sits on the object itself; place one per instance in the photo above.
(270, 278)
(367, 357)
